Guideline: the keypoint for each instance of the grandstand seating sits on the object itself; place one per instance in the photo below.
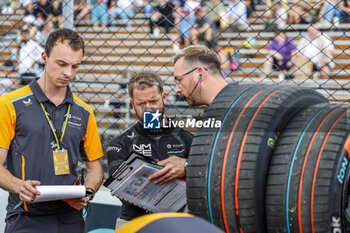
(111, 50)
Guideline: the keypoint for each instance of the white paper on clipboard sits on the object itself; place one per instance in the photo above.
(133, 185)
(59, 192)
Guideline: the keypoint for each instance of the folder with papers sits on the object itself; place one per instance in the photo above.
(130, 183)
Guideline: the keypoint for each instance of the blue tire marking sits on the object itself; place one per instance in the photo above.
(292, 164)
(212, 153)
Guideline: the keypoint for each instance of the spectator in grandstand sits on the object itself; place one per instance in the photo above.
(197, 75)
(148, 8)
(271, 3)
(99, 16)
(183, 25)
(56, 18)
(43, 33)
(191, 6)
(29, 62)
(179, 2)
(214, 9)
(27, 5)
(170, 146)
(82, 9)
(43, 11)
(344, 6)
(123, 9)
(330, 13)
(8, 81)
(31, 24)
(229, 59)
(280, 15)
(318, 48)
(250, 7)
(203, 30)
(300, 12)
(22, 4)
(236, 15)
(162, 16)
(277, 15)
(281, 52)
(118, 102)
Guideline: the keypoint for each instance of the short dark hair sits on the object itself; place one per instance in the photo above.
(200, 55)
(61, 35)
(144, 79)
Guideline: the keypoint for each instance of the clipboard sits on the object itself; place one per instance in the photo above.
(126, 164)
(130, 183)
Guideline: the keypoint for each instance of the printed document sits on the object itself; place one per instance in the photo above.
(132, 184)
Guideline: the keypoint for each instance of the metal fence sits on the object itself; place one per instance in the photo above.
(118, 40)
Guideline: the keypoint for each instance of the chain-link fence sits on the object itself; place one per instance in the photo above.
(274, 42)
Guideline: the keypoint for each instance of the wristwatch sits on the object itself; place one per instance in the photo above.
(90, 192)
(186, 164)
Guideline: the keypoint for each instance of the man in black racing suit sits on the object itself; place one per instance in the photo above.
(170, 146)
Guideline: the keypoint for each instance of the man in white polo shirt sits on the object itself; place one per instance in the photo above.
(318, 48)
(29, 58)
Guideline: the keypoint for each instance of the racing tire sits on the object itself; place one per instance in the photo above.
(308, 179)
(227, 166)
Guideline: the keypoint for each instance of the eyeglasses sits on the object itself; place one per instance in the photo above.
(178, 78)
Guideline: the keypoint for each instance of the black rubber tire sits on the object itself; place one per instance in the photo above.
(304, 192)
(228, 188)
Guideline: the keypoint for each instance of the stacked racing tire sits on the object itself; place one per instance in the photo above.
(308, 179)
(228, 166)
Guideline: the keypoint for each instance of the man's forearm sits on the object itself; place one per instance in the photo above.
(94, 175)
(9, 182)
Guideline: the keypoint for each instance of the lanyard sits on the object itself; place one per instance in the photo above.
(53, 128)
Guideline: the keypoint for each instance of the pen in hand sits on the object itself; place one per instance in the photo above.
(18, 204)
(29, 185)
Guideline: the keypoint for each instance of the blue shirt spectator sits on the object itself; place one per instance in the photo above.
(124, 9)
(183, 25)
(99, 13)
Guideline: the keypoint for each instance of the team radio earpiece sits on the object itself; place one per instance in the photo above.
(200, 75)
